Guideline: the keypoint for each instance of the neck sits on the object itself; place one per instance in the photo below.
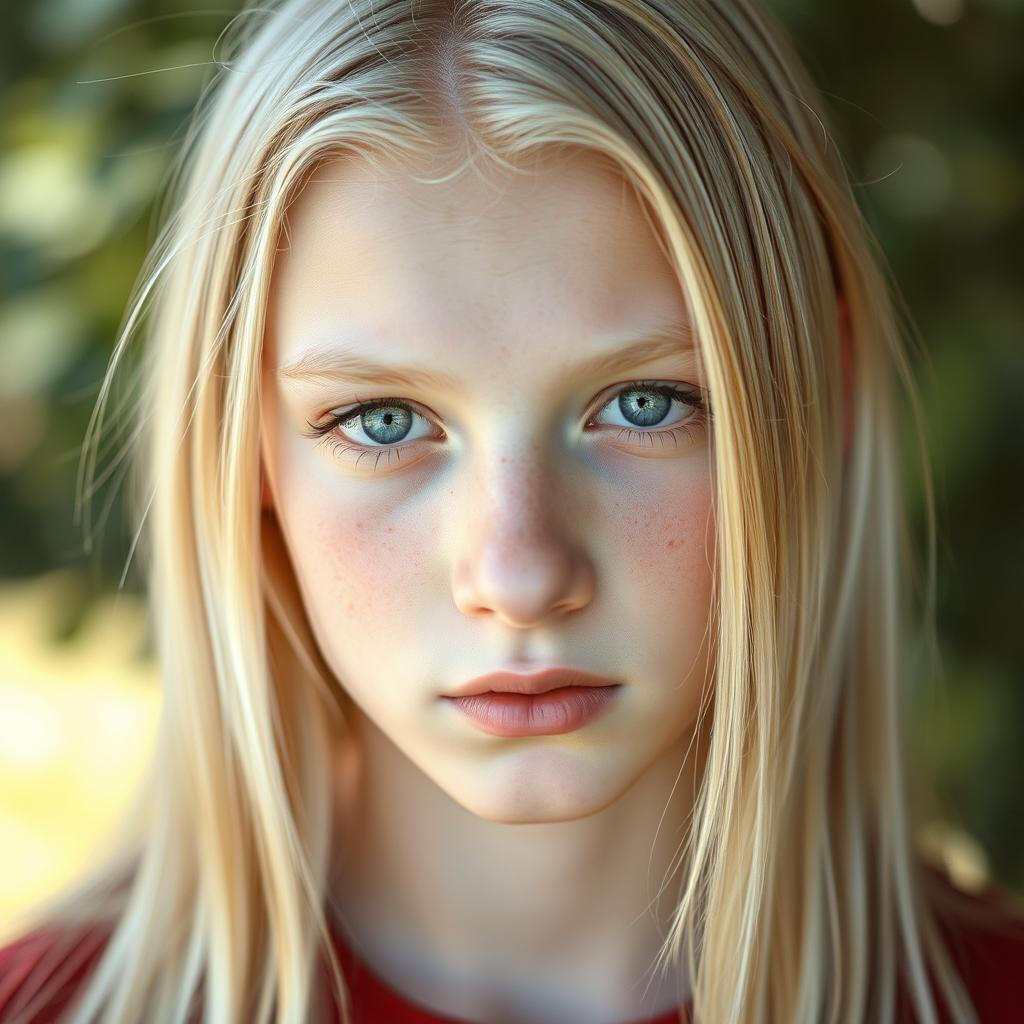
(485, 920)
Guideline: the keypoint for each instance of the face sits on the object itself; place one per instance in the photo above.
(518, 506)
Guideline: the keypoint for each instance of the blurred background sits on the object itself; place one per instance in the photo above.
(925, 99)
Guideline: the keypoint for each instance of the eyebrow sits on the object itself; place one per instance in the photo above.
(338, 365)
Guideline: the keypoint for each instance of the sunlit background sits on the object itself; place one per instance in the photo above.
(925, 96)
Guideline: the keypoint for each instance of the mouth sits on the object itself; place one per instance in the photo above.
(559, 710)
(533, 684)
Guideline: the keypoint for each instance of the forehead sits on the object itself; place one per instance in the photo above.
(552, 257)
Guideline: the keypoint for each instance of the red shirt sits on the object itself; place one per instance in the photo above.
(990, 959)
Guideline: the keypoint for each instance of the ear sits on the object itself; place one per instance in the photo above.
(846, 364)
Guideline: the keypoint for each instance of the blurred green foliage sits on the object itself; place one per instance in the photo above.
(925, 100)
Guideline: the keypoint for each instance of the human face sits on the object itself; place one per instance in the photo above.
(511, 515)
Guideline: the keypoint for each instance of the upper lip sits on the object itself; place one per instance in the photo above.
(536, 682)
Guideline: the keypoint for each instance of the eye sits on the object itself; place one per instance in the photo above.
(643, 405)
(377, 426)
(384, 425)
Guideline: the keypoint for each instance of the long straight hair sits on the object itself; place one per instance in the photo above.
(801, 899)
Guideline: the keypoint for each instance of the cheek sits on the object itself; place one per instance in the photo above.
(360, 565)
(669, 539)
(663, 563)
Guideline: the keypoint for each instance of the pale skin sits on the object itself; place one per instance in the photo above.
(507, 880)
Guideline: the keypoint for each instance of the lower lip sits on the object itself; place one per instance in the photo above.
(543, 714)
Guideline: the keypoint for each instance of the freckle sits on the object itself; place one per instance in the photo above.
(391, 529)
(359, 526)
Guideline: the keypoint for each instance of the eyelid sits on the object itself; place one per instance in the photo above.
(688, 393)
(339, 414)
(353, 409)
(683, 387)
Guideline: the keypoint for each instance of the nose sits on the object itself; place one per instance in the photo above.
(521, 562)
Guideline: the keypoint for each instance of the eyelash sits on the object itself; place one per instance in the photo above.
(342, 445)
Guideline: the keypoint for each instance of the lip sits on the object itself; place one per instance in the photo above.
(532, 683)
(564, 709)
(548, 703)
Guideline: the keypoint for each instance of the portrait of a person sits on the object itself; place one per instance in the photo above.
(520, 510)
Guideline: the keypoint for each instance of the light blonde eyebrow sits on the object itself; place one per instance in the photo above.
(337, 365)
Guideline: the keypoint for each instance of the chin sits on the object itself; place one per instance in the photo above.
(550, 789)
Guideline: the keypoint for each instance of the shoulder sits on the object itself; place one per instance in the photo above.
(984, 935)
(41, 972)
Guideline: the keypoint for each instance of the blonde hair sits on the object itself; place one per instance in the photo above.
(801, 895)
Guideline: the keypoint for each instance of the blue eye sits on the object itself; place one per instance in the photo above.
(646, 404)
(385, 423)
(382, 423)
